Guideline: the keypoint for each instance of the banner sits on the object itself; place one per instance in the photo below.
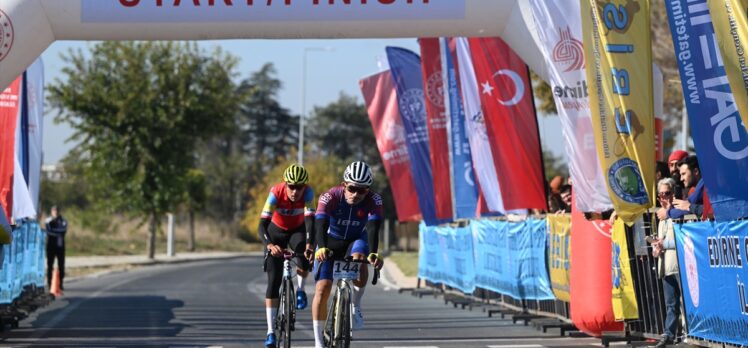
(35, 103)
(721, 141)
(510, 258)
(437, 121)
(488, 182)
(712, 259)
(623, 295)
(464, 188)
(620, 67)
(381, 103)
(590, 306)
(559, 254)
(5, 230)
(731, 27)
(559, 30)
(22, 206)
(9, 107)
(406, 73)
(452, 263)
(511, 124)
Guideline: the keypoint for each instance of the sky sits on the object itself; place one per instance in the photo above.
(333, 66)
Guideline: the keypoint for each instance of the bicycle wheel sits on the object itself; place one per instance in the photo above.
(343, 322)
(329, 333)
(288, 312)
(281, 319)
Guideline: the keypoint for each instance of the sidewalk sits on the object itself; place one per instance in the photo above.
(395, 278)
(143, 260)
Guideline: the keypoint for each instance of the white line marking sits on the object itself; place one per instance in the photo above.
(518, 346)
(411, 347)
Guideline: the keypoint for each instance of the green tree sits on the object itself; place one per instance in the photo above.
(196, 196)
(138, 110)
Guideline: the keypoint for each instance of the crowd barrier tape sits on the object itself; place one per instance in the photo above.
(713, 271)
(505, 257)
(22, 261)
(559, 249)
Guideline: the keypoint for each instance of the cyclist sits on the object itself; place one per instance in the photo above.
(287, 221)
(347, 222)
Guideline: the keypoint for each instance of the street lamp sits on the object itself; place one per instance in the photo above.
(303, 97)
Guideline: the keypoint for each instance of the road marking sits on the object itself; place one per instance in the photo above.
(518, 346)
(410, 347)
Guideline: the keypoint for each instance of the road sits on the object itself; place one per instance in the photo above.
(219, 304)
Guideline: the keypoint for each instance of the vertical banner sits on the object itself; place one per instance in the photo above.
(559, 234)
(35, 102)
(9, 107)
(22, 206)
(475, 122)
(617, 46)
(590, 290)
(406, 72)
(381, 103)
(713, 274)
(731, 27)
(508, 106)
(623, 295)
(464, 188)
(437, 121)
(721, 141)
(560, 33)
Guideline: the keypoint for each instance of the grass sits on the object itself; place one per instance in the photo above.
(406, 261)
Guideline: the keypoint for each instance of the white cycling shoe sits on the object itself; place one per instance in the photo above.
(358, 319)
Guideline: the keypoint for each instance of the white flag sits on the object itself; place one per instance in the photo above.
(22, 206)
(480, 148)
(559, 29)
(35, 89)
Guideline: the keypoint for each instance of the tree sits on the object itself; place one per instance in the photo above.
(196, 196)
(138, 110)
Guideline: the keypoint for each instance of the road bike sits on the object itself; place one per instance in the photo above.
(339, 324)
(286, 319)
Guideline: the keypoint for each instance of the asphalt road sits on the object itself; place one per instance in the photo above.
(219, 304)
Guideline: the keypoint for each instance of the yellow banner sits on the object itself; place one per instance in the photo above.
(731, 27)
(618, 54)
(559, 230)
(624, 297)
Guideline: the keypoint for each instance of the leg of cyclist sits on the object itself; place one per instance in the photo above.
(324, 287)
(359, 250)
(298, 243)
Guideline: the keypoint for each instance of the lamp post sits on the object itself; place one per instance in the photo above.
(303, 98)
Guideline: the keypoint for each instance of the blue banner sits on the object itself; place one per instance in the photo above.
(511, 258)
(719, 136)
(406, 71)
(447, 257)
(463, 181)
(714, 271)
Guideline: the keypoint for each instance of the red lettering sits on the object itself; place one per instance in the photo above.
(129, 3)
(270, 2)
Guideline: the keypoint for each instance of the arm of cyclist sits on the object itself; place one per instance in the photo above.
(310, 237)
(372, 229)
(265, 238)
(321, 225)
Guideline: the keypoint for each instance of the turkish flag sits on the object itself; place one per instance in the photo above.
(506, 100)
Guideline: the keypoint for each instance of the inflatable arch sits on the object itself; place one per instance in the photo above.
(27, 27)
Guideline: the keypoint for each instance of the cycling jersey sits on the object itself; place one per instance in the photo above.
(348, 222)
(284, 213)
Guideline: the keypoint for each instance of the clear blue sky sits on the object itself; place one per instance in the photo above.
(328, 74)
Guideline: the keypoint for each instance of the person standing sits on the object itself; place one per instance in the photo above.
(56, 227)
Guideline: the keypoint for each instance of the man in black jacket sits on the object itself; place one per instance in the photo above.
(56, 227)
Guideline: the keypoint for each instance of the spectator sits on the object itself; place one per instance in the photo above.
(661, 172)
(663, 248)
(565, 194)
(672, 163)
(698, 200)
(555, 203)
(56, 227)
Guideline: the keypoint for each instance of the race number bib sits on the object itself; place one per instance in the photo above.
(345, 269)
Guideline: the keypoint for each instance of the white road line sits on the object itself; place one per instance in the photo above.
(410, 347)
(518, 346)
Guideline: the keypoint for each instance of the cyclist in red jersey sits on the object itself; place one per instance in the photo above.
(287, 221)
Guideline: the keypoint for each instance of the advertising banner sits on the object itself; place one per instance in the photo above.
(619, 67)
(559, 254)
(560, 39)
(712, 259)
(9, 108)
(150, 11)
(624, 297)
(510, 258)
(511, 124)
(381, 104)
(721, 141)
(406, 73)
(438, 122)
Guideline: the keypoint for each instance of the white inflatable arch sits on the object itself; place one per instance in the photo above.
(28, 27)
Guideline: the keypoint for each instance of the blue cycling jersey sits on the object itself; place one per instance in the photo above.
(348, 222)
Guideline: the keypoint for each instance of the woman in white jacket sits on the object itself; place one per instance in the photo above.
(663, 248)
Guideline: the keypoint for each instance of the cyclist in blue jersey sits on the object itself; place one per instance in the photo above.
(347, 223)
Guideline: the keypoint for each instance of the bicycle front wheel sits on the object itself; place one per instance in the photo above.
(343, 320)
(288, 311)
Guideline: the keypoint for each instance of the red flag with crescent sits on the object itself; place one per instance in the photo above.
(506, 99)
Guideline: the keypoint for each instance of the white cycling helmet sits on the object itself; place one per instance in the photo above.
(358, 173)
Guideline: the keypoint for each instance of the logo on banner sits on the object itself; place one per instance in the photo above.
(519, 87)
(411, 106)
(6, 35)
(626, 181)
(616, 262)
(395, 133)
(568, 52)
(692, 271)
(480, 124)
(435, 89)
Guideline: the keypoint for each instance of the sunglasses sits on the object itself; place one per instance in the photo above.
(295, 187)
(354, 189)
(665, 194)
